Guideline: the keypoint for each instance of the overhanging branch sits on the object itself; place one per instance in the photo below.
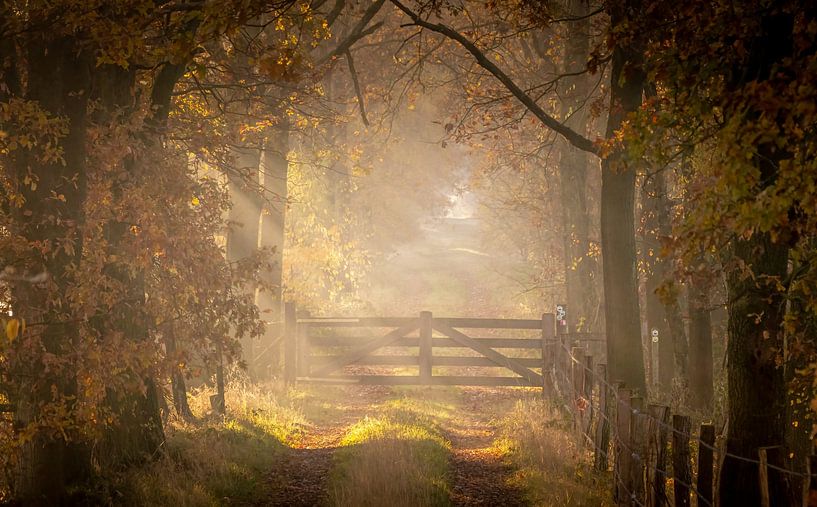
(573, 137)
(358, 92)
(358, 32)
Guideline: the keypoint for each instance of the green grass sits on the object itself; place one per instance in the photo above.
(217, 462)
(398, 457)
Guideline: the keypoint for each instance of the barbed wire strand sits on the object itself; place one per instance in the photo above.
(633, 453)
(724, 453)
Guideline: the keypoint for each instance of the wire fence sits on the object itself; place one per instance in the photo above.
(586, 395)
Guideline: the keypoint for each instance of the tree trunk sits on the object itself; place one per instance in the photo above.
(58, 79)
(757, 392)
(625, 357)
(581, 267)
(274, 182)
(136, 433)
(177, 384)
(756, 386)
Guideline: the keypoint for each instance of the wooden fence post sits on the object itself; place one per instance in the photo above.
(638, 431)
(426, 352)
(577, 394)
(811, 482)
(656, 465)
(564, 363)
(548, 349)
(303, 347)
(681, 472)
(770, 455)
(603, 427)
(705, 463)
(289, 342)
(588, 395)
(763, 476)
(621, 468)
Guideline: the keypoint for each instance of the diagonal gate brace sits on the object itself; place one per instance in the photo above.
(364, 350)
(501, 360)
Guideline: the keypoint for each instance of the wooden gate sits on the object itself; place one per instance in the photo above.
(417, 350)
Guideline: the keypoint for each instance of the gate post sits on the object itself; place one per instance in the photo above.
(425, 347)
(289, 342)
(303, 346)
(548, 352)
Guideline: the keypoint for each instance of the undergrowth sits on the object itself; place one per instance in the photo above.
(537, 441)
(214, 461)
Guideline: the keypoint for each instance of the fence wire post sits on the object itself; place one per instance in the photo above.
(588, 395)
(577, 400)
(603, 427)
(548, 356)
(705, 463)
(637, 444)
(658, 436)
(621, 468)
(680, 459)
(810, 499)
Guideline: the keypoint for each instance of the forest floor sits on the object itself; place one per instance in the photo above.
(370, 446)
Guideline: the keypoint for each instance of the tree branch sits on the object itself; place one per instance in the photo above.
(358, 32)
(573, 137)
(358, 92)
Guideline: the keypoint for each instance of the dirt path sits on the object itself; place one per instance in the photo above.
(480, 476)
(300, 479)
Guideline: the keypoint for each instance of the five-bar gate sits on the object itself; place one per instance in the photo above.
(422, 350)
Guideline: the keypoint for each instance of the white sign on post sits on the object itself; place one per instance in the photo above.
(654, 334)
(561, 312)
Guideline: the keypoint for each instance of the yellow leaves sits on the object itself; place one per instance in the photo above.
(29, 181)
(13, 328)
(195, 201)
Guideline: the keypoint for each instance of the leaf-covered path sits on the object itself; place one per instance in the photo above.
(478, 473)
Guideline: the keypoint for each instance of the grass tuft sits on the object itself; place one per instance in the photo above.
(398, 458)
(535, 438)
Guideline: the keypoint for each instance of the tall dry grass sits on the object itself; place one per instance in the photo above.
(398, 458)
(217, 462)
(537, 440)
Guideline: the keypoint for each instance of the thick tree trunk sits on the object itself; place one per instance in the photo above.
(136, 434)
(756, 385)
(581, 267)
(622, 316)
(274, 182)
(757, 391)
(57, 79)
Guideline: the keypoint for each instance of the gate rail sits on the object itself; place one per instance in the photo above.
(300, 340)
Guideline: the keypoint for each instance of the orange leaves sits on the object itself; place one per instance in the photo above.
(26, 126)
